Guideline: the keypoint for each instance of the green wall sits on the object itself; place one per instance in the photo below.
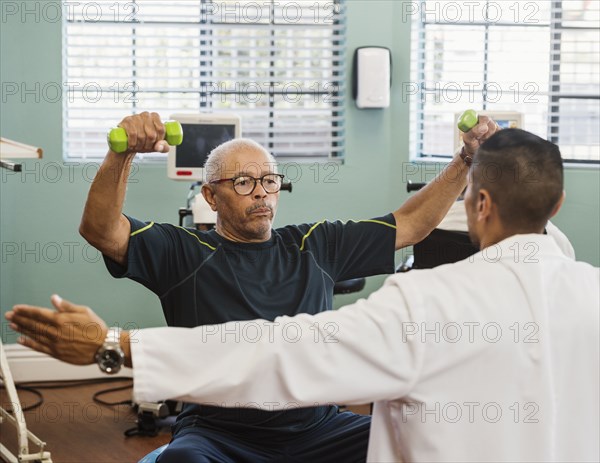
(42, 252)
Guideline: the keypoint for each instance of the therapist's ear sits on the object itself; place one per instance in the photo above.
(483, 205)
(558, 204)
(209, 196)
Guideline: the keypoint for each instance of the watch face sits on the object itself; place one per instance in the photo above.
(111, 360)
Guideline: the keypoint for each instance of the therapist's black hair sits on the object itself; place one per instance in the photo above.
(523, 174)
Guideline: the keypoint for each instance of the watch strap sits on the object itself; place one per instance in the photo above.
(113, 335)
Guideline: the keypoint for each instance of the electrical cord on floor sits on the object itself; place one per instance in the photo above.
(35, 392)
(151, 417)
(34, 386)
(96, 396)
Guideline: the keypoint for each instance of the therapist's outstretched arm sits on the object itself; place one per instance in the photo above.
(354, 355)
(357, 354)
(424, 210)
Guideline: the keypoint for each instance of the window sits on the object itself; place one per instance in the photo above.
(541, 58)
(278, 64)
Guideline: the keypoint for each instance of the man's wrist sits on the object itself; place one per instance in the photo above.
(120, 160)
(466, 157)
(124, 342)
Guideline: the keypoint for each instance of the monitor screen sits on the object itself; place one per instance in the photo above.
(199, 140)
(201, 134)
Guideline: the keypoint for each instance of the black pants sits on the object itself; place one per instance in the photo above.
(339, 439)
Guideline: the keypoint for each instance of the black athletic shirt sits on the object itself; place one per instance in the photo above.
(202, 278)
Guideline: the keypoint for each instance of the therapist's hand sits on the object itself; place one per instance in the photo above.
(71, 333)
(475, 137)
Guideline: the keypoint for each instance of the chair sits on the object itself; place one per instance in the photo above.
(152, 456)
(438, 248)
(442, 247)
(349, 286)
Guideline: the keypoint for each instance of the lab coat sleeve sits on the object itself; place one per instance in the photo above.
(357, 354)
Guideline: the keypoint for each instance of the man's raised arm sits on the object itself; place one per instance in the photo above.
(103, 225)
(424, 210)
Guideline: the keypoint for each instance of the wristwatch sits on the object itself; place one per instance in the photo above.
(110, 356)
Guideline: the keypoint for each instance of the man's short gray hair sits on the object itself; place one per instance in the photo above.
(215, 162)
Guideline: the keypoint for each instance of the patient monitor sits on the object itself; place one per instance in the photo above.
(201, 134)
(504, 119)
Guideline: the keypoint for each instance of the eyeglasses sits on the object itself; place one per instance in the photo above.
(245, 185)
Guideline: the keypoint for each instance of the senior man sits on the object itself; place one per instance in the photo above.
(244, 270)
(494, 358)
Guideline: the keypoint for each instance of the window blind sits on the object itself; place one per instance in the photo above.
(280, 65)
(541, 58)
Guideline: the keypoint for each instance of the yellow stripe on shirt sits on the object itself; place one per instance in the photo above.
(212, 248)
(309, 232)
(142, 229)
(147, 227)
(379, 222)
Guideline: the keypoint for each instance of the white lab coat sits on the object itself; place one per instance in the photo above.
(494, 358)
(456, 220)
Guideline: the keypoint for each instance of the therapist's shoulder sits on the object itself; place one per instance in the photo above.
(584, 270)
(561, 240)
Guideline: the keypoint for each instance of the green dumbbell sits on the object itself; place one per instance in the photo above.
(117, 137)
(467, 120)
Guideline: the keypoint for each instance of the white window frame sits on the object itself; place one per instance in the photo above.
(421, 86)
(307, 126)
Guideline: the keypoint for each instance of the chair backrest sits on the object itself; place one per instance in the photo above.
(349, 286)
